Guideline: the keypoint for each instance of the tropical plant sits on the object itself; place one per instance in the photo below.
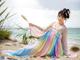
(26, 35)
(4, 34)
(4, 15)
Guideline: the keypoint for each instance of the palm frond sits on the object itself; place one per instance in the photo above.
(2, 3)
(2, 20)
(1, 23)
(25, 29)
(6, 18)
(3, 11)
(4, 32)
(24, 41)
(0, 0)
(7, 15)
(10, 16)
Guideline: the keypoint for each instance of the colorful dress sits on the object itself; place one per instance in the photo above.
(47, 44)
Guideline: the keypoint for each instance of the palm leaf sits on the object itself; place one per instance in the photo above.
(3, 11)
(6, 18)
(2, 3)
(0, 0)
(2, 20)
(7, 15)
(10, 16)
(25, 29)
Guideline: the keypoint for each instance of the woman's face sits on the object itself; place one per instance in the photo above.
(61, 20)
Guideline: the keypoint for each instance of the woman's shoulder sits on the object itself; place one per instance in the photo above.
(64, 28)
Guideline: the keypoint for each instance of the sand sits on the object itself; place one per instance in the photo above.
(11, 45)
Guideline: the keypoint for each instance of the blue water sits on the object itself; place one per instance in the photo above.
(73, 33)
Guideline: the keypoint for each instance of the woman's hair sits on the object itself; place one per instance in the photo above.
(65, 13)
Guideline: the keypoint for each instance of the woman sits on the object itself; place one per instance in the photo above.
(59, 25)
(52, 42)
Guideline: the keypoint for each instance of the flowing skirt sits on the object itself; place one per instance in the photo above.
(48, 44)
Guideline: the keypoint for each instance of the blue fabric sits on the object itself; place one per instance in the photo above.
(21, 52)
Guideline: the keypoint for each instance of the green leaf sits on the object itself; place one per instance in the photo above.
(2, 21)
(3, 11)
(7, 15)
(6, 18)
(4, 34)
(0, 0)
(25, 29)
(10, 16)
(2, 3)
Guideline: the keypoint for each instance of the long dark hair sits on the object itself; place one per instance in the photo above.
(65, 13)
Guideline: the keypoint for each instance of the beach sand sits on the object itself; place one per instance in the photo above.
(11, 45)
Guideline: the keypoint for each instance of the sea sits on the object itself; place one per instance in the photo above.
(72, 36)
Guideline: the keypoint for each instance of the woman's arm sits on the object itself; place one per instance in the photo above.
(64, 41)
(44, 30)
(30, 24)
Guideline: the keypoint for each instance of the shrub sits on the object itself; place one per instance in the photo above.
(4, 34)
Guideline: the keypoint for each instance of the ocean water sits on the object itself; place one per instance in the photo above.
(73, 34)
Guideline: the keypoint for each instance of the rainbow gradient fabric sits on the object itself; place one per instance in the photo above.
(48, 44)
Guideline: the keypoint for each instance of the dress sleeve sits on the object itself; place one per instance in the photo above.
(64, 34)
(64, 41)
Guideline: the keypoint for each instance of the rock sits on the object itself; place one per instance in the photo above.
(75, 48)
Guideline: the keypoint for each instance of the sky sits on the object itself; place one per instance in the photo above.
(43, 12)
